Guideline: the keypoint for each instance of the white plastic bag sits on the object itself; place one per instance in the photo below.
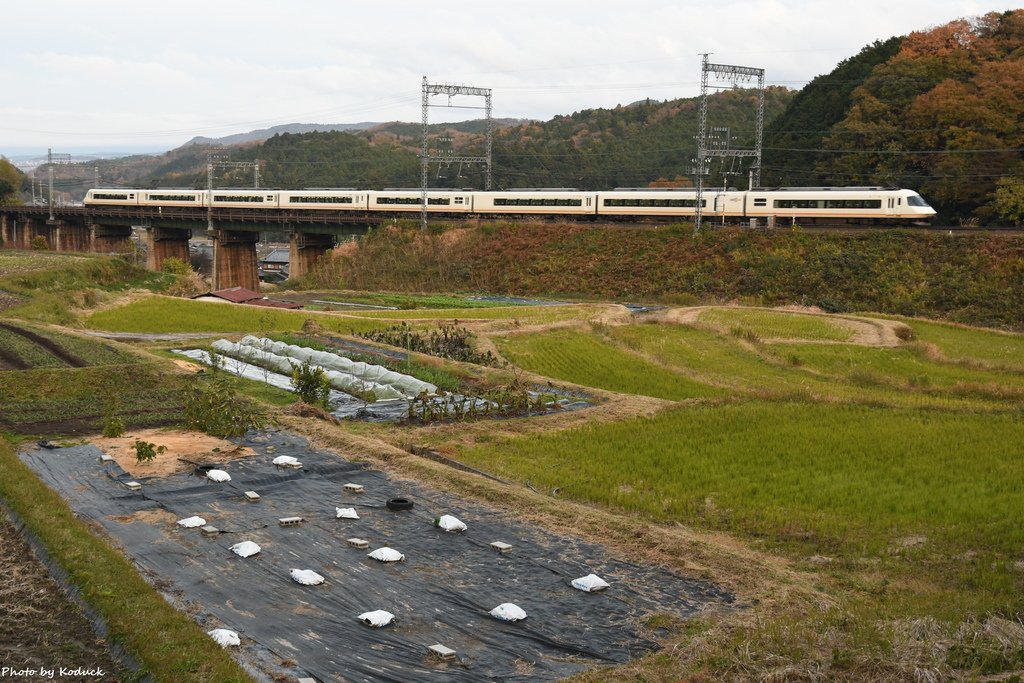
(346, 513)
(377, 618)
(191, 522)
(508, 611)
(307, 577)
(450, 523)
(590, 583)
(386, 554)
(218, 475)
(224, 637)
(245, 548)
(286, 460)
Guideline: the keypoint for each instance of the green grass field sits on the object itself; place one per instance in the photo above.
(677, 361)
(776, 324)
(165, 314)
(851, 476)
(901, 467)
(588, 360)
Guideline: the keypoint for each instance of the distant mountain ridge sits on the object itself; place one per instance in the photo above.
(263, 134)
(266, 133)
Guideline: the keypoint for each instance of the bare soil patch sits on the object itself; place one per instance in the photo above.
(192, 446)
(39, 626)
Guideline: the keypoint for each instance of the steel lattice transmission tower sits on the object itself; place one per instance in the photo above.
(734, 74)
(51, 159)
(425, 157)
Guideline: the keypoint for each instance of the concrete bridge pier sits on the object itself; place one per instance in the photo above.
(110, 239)
(304, 249)
(71, 236)
(234, 259)
(165, 243)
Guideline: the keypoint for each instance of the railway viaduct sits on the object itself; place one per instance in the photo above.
(167, 232)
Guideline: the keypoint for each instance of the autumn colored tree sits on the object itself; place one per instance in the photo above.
(944, 115)
(11, 180)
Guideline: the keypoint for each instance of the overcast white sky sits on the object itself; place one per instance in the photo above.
(110, 74)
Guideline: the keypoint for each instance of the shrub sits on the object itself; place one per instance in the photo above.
(214, 407)
(904, 333)
(146, 451)
(39, 243)
(176, 266)
(312, 385)
(113, 426)
(447, 341)
(113, 423)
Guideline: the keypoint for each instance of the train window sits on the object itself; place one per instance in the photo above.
(319, 200)
(760, 201)
(459, 200)
(916, 200)
(172, 198)
(438, 200)
(105, 195)
(798, 203)
(401, 200)
(238, 198)
(853, 204)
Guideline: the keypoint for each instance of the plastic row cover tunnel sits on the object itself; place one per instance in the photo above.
(285, 365)
(408, 385)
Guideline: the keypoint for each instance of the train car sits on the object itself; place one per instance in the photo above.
(246, 199)
(339, 199)
(112, 196)
(554, 202)
(837, 204)
(438, 201)
(172, 197)
(646, 202)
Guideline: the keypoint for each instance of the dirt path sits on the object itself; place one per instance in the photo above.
(865, 331)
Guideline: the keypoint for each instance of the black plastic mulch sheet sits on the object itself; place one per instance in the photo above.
(442, 592)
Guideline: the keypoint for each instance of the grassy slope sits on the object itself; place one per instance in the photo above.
(898, 465)
(164, 314)
(976, 279)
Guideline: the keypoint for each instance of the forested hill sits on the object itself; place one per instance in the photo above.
(940, 111)
(635, 145)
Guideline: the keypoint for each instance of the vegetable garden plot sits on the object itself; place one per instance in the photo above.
(442, 592)
(346, 406)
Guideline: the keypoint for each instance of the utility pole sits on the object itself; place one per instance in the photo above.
(734, 74)
(425, 157)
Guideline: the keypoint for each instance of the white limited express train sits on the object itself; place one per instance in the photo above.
(804, 205)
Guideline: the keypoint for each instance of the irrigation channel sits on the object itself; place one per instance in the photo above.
(443, 592)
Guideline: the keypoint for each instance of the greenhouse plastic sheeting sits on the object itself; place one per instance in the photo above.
(442, 593)
(286, 364)
(345, 405)
(332, 361)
